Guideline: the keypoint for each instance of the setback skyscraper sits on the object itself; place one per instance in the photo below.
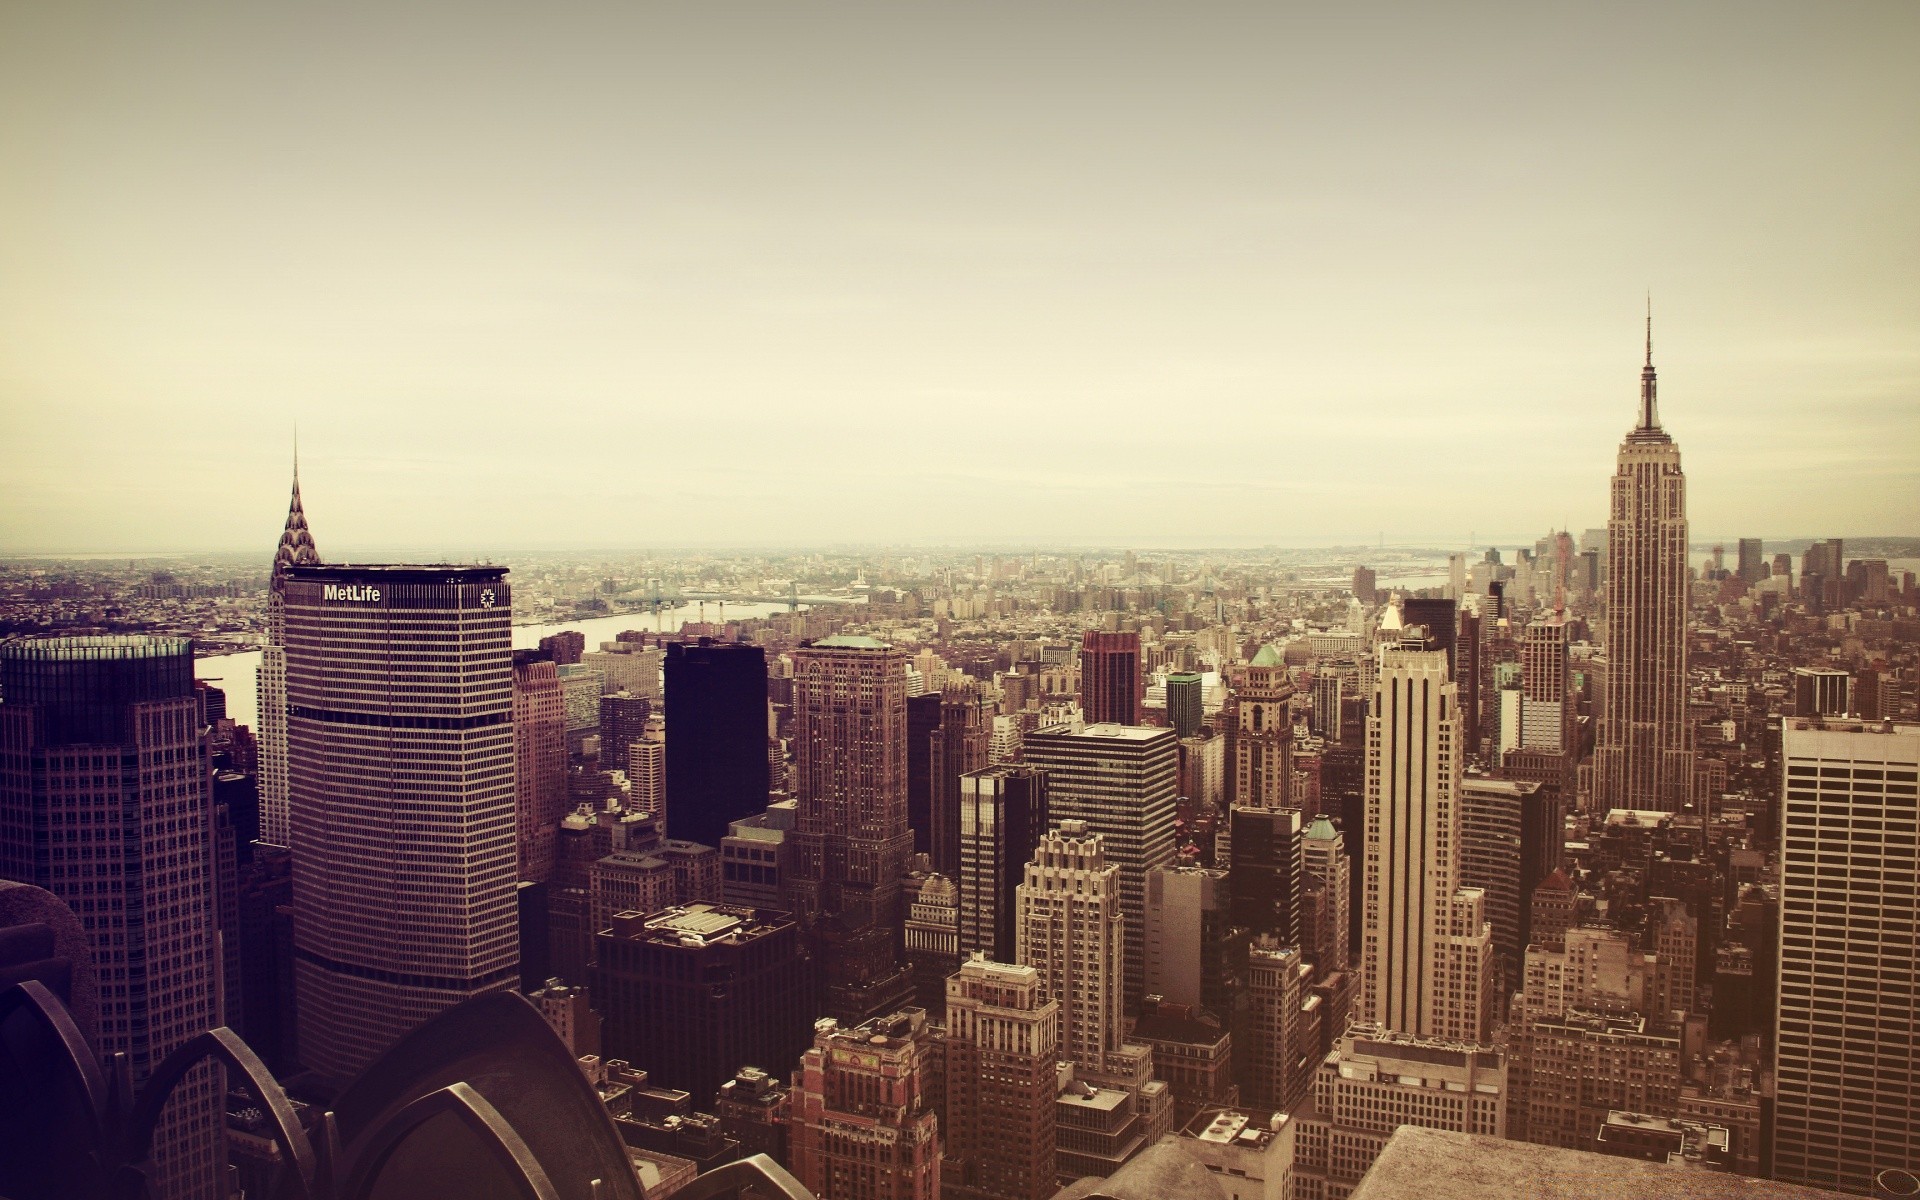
(400, 747)
(1120, 780)
(1643, 757)
(1426, 950)
(716, 737)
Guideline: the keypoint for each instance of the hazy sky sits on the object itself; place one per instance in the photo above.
(642, 274)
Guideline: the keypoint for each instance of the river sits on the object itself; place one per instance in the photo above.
(238, 674)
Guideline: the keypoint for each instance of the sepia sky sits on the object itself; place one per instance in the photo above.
(679, 274)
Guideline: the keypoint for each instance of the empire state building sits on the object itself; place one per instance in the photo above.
(1644, 753)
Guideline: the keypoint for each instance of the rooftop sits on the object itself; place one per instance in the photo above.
(1437, 1165)
(849, 641)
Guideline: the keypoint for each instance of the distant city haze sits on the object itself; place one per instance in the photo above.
(650, 275)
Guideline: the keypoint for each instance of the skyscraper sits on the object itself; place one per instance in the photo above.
(296, 548)
(1260, 737)
(1003, 1034)
(959, 745)
(1072, 932)
(865, 1123)
(695, 992)
(1643, 756)
(1184, 710)
(716, 697)
(852, 842)
(1119, 780)
(1846, 1058)
(1110, 678)
(1752, 561)
(539, 763)
(401, 799)
(1426, 951)
(105, 802)
(1003, 815)
(1324, 894)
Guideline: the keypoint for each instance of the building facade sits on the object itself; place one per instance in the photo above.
(401, 795)
(865, 1115)
(1003, 815)
(1426, 951)
(105, 801)
(1003, 1037)
(296, 548)
(1847, 1062)
(1643, 753)
(716, 698)
(1118, 780)
(1110, 685)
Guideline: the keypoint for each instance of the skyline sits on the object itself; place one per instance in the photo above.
(1231, 278)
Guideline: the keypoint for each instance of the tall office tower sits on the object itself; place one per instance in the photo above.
(1003, 1035)
(1467, 657)
(1003, 815)
(1280, 1044)
(851, 845)
(1546, 715)
(1846, 1058)
(1456, 577)
(1505, 851)
(1119, 780)
(1195, 953)
(1643, 753)
(1363, 585)
(932, 936)
(1374, 1081)
(647, 773)
(623, 721)
(1752, 563)
(1110, 678)
(865, 1120)
(923, 727)
(1326, 885)
(1783, 568)
(401, 789)
(539, 763)
(1260, 736)
(1821, 693)
(692, 993)
(716, 697)
(1426, 951)
(296, 548)
(1184, 711)
(961, 745)
(1326, 705)
(1264, 862)
(1441, 620)
(105, 802)
(1072, 932)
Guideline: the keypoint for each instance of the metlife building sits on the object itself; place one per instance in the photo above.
(400, 799)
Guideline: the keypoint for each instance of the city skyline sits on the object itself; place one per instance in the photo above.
(805, 266)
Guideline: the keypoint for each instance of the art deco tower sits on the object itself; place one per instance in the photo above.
(1426, 951)
(852, 843)
(1644, 755)
(296, 548)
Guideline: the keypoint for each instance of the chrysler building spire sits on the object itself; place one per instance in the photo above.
(296, 541)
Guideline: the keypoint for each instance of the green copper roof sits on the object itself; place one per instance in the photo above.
(1268, 657)
(851, 641)
(1322, 829)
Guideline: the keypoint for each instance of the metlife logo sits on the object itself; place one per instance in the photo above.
(352, 593)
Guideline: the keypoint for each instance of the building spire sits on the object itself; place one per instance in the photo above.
(296, 540)
(1649, 406)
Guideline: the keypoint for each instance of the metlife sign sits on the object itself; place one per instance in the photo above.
(352, 593)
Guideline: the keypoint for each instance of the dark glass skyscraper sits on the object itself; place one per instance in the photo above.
(105, 802)
(1110, 678)
(716, 695)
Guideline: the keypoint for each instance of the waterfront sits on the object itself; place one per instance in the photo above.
(238, 674)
